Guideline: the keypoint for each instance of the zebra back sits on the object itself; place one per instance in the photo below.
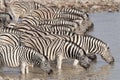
(10, 30)
(10, 39)
(58, 22)
(37, 43)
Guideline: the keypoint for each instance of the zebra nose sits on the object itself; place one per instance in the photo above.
(112, 61)
(91, 25)
(50, 72)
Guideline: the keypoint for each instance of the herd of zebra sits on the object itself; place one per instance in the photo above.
(35, 34)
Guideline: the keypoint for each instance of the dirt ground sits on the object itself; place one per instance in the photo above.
(91, 6)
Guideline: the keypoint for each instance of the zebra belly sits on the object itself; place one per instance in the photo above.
(11, 62)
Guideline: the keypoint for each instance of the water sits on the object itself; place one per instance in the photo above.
(106, 28)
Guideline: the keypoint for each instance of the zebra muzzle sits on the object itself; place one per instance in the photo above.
(50, 72)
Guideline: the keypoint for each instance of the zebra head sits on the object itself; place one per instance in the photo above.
(43, 63)
(87, 22)
(84, 61)
(106, 55)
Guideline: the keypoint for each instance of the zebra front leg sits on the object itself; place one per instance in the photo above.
(59, 61)
(24, 68)
(27, 69)
(75, 63)
(23, 65)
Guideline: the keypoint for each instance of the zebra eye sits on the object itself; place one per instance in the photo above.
(108, 48)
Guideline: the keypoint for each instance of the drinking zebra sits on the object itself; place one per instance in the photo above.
(58, 49)
(90, 44)
(20, 56)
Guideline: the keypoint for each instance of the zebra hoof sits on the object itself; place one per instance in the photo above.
(50, 72)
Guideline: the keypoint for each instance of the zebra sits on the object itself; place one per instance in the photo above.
(43, 17)
(90, 44)
(24, 8)
(49, 28)
(20, 8)
(20, 56)
(75, 25)
(57, 48)
(95, 45)
(13, 36)
(41, 14)
(36, 22)
(10, 36)
(5, 19)
(85, 16)
(44, 13)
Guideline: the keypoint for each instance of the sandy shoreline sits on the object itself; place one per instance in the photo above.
(90, 6)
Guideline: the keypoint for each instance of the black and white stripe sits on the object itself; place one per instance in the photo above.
(58, 47)
(90, 44)
(93, 45)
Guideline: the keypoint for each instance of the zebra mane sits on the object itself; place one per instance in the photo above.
(95, 38)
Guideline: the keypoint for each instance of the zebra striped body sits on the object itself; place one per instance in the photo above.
(37, 43)
(46, 12)
(11, 39)
(32, 20)
(10, 36)
(15, 56)
(50, 28)
(86, 23)
(40, 17)
(58, 22)
(10, 30)
(77, 12)
(57, 48)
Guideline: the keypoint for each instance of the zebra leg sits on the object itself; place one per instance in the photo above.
(75, 62)
(27, 69)
(23, 67)
(59, 61)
